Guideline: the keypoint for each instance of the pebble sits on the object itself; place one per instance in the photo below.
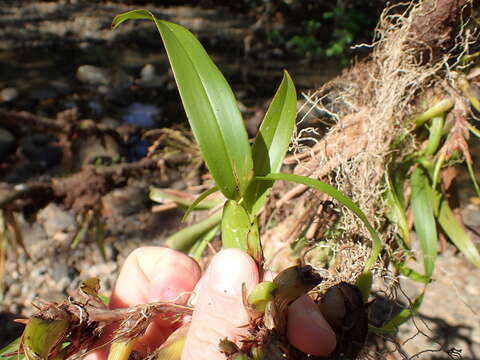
(8, 94)
(149, 78)
(56, 220)
(93, 75)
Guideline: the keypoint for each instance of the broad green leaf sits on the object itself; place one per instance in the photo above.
(210, 106)
(456, 234)
(184, 239)
(236, 225)
(206, 204)
(9, 352)
(41, 337)
(341, 198)
(396, 213)
(271, 142)
(424, 219)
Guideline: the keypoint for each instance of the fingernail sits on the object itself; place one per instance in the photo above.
(227, 272)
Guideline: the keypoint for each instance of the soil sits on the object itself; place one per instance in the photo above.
(53, 208)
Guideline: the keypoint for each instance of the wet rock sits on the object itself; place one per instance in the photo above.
(96, 108)
(86, 151)
(137, 148)
(149, 78)
(56, 220)
(42, 92)
(143, 115)
(124, 202)
(93, 75)
(41, 153)
(8, 94)
(7, 143)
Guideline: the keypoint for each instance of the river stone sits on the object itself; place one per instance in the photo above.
(56, 220)
(93, 75)
(8, 94)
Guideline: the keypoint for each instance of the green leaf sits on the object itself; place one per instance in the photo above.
(236, 225)
(436, 129)
(184, 239)
(254, 245)
(364, 284)
(196, 251)
(402, 317)
(473, 177)
(424, 219)
(456, 234)
(271, 142)
(437, 109)
(210, 106)
(261, 294)
(411, 274)
(341, 198)
(42, 337)
(396, 212)
(9, 352)
(206, 204)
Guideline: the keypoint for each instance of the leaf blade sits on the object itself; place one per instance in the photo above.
(210, 106)
(272, 140)
(424, 218)
(340, 197)
(457, 235)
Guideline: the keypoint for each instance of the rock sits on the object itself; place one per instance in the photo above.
(7, 143)
(148, 77)
(40, 152)
(143, 115)
(87, 150)
(42, 92)
(93, 75)
(125, 201)
(56, 220)
(8, 94)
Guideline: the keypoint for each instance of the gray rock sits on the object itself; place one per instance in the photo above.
(93, 75)
(8, 94)
(56, 220)
(149, 78)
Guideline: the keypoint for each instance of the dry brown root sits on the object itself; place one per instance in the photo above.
(373, 103)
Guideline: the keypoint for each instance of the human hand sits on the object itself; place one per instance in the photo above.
(162, 274)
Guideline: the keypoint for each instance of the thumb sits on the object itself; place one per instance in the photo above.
(219, 311)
